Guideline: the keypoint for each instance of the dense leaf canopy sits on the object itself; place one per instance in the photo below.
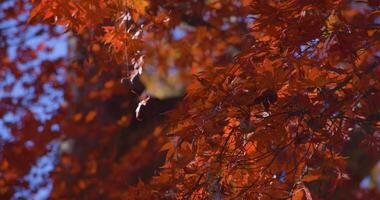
(201, 99)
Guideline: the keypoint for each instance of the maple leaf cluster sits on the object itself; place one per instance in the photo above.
(277, 99)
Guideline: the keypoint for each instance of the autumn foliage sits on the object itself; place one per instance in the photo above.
(203, 99)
